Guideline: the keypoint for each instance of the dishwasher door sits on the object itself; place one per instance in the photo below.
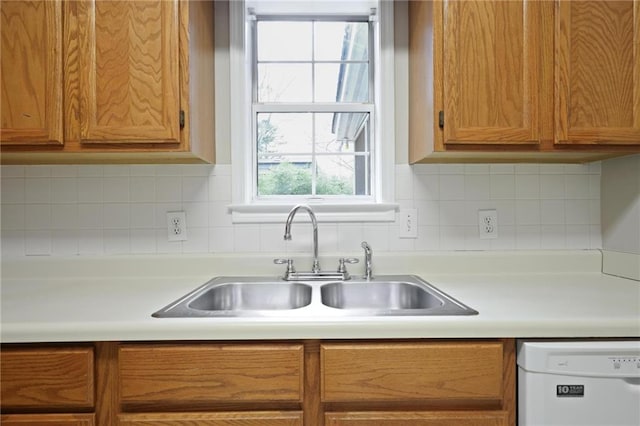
(588, 383)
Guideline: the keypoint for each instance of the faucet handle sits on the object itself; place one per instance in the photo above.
(342, 268)
(290, 268)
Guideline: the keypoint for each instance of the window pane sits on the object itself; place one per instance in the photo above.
(284, 133)
(341, 132)
(342, 82)
(284, 41)
(284, 175)
(336, 175)
(304, 153)
(284, 83)
(340, 41)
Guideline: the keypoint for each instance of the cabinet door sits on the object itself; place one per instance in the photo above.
(598, 72)
(248, 418)
(129, 71)
(463, 418)
(183, 375)
(31, 61)
(47, 378)
(465, 372)
(47, 420)
(492, 66)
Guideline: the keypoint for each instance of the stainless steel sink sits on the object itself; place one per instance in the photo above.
(378, 295)
(259, 297)
(239, 297)
(402, 295)
(252, 297)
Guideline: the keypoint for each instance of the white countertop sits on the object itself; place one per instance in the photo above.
(534, 294)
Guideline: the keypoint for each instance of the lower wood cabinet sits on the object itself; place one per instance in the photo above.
(49, 377)
(40, 380)
(174, 375)
(262, 418)
(412, 371)
(48, 419)
(443, 418)
(285, 383)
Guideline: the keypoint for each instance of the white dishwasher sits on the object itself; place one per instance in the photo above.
(587, 383)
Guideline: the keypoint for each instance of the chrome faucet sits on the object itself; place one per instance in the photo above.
(368, 266)
(287, 233)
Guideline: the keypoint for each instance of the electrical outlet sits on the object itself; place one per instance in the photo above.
(176, 226)
(488, 224)
(408, 223)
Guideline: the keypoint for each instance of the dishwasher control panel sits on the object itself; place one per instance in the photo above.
(605, 365)
(625, 364)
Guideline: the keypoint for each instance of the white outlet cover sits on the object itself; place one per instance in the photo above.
(488, 224)
(176, 226)
(408, 223)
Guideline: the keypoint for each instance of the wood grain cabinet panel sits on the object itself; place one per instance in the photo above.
(523, 80)
(255, 418)
(492, 52)
(179, 374)
(128, 71)
(47, 377)
(47, 420)
(598, 72)
(89, 81)
(459, 418)
(411, 371)
(31, 72)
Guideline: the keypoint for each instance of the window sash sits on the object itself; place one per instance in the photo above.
(315, 107)
(368, 154)
(372, 60)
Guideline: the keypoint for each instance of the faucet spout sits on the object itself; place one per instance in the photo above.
(368, 264)
(287, 232)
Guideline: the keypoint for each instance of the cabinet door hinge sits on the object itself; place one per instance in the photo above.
(181, 119)
(441, 119)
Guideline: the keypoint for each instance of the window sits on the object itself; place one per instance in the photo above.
(312, 107)
(311, 127)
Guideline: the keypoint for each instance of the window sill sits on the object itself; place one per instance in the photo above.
(277, 213)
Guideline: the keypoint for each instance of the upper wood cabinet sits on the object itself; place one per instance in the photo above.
(31, 110)
(523, 80)
(128, 74)
(491, 80)
(136, 81)
(598, 72)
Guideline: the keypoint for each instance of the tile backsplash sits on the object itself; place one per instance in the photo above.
(121, 209)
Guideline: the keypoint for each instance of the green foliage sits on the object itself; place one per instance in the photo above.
(267, 134)
(288, 179)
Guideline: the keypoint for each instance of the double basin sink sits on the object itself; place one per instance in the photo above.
(391, 295)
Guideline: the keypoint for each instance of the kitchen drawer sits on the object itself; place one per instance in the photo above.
(412, 371)
(207, 373)
(52, 377)
(445, 418)
(249, 418)
(47, 420)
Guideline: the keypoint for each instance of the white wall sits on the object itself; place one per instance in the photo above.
(621, 204)
(114, 209)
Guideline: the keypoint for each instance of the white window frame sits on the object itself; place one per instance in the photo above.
(380, 207)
